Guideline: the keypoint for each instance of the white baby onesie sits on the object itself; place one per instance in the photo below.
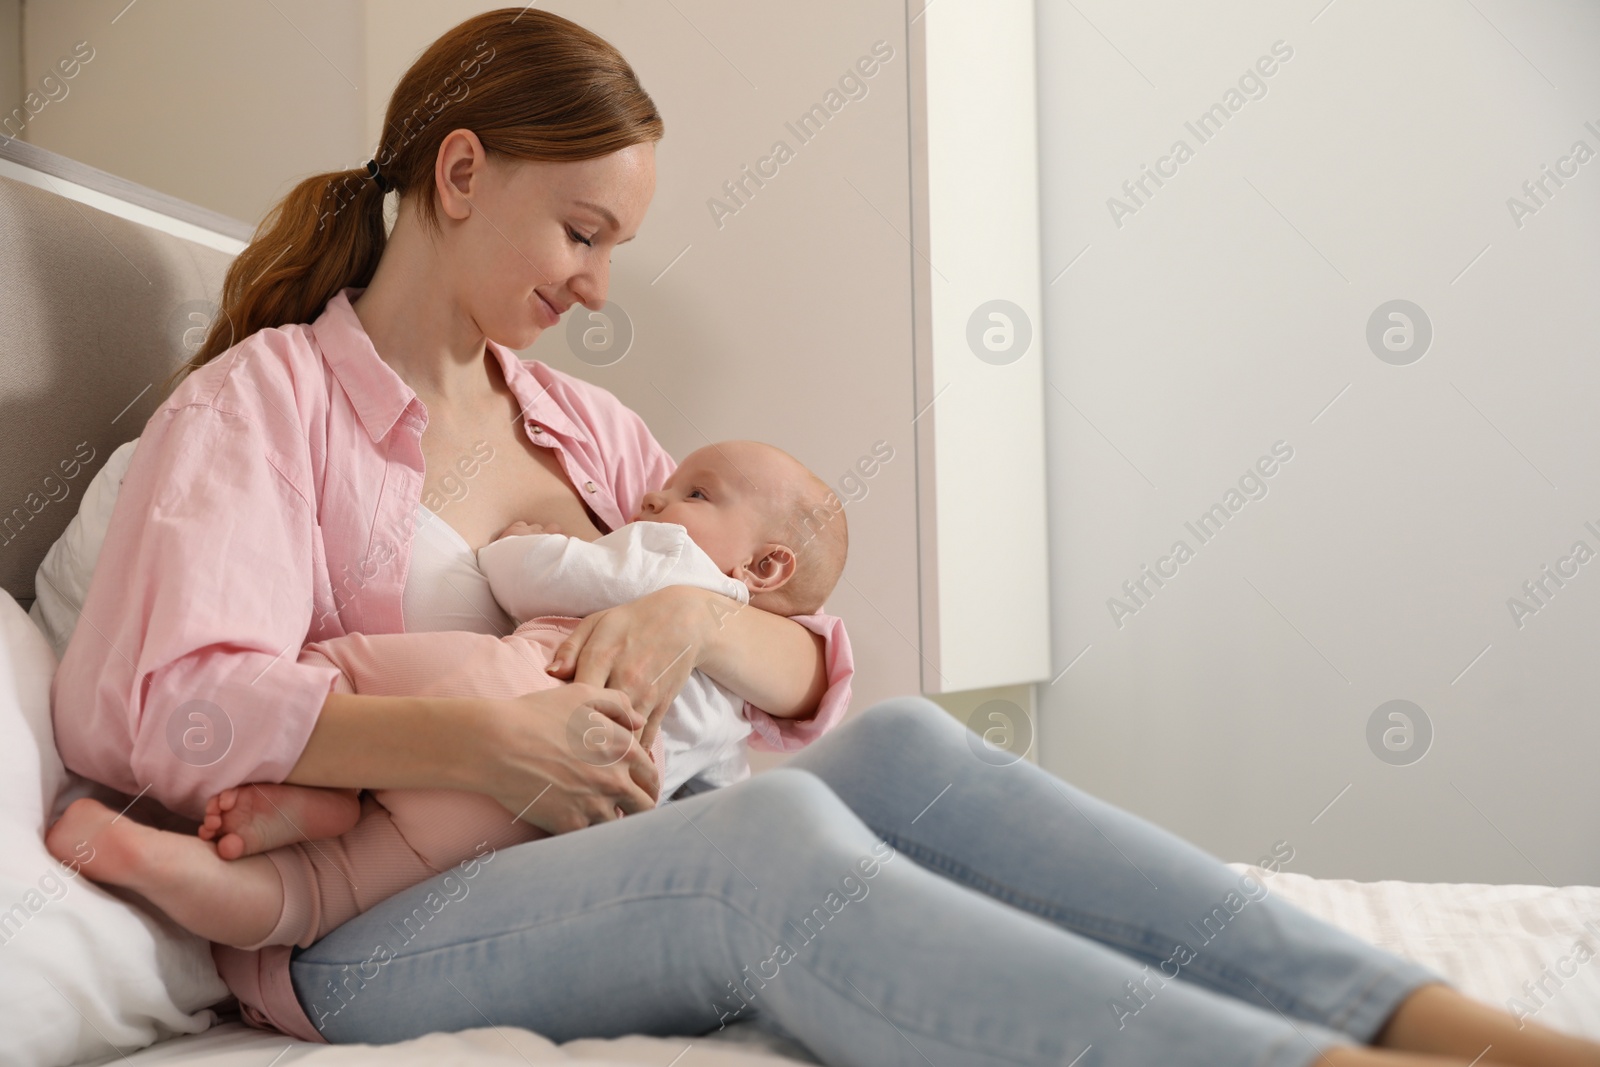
(704, 731)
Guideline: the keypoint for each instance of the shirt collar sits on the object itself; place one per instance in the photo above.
(380, 396)
(531, 383)
(377, 393)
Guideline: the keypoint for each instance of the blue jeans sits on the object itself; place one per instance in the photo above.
(888, 897)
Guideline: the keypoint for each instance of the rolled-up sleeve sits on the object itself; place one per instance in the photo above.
(787, 735)
(182, 676)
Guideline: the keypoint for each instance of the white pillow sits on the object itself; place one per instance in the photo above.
(62, 580)
(78, 967)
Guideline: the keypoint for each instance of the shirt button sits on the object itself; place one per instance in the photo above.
(537, 428)
(590, 486)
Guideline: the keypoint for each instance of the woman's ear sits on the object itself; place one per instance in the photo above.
(768, 570)
(458, 172)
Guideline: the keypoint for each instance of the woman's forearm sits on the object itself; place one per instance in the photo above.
(516, 751)
(390, 742)
(773, 662)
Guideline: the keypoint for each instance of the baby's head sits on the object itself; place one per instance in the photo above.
(762, 517)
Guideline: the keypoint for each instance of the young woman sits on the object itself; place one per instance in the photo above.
(886, 898)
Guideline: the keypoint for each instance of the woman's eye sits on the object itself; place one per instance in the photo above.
(580, 238)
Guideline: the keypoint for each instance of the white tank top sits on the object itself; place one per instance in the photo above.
(445, 590)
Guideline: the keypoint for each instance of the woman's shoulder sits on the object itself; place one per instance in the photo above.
(264, 373)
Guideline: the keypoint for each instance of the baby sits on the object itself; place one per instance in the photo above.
(291, 863)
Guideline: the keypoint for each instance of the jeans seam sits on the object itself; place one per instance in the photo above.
(1140, 942)
(871, 1009)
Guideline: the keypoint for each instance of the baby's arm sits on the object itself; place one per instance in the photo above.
(532, 575)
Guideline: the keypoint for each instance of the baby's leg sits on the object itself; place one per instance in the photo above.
(236, 903)
(327, 883)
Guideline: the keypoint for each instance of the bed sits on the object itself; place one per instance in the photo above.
(105, 289)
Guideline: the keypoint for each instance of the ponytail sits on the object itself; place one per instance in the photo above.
(530, 84)
(325, 235)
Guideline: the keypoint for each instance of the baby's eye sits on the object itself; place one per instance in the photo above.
(580, 238)
(697, 493)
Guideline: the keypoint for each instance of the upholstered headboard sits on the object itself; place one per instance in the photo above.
(105, 288)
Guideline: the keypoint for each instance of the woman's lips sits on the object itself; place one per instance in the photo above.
(550, 312)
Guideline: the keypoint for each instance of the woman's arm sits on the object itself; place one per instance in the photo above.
(772, 662)
(180, 680)
(647, 647)
(391, 742)
(523, 752)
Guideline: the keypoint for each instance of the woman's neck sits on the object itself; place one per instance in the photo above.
(416, 325)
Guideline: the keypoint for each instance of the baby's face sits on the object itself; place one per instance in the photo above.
(721, 495)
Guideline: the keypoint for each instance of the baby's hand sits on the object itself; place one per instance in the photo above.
(517, 529)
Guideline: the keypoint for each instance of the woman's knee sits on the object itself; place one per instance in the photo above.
(801, 810)
(903, 723)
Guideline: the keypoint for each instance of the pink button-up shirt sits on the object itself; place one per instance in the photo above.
(272, 502)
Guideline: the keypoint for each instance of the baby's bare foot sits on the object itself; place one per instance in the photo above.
(94, 839)
(254, 818)
(234, 903)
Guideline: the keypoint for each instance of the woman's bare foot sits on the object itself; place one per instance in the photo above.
(1440, 1021)
(1362, 1056)
(254, 818)
(235, 903)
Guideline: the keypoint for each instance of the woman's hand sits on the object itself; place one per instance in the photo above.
(564, 759)
(645, 648)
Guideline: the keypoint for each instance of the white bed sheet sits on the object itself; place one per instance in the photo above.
(1488, 939)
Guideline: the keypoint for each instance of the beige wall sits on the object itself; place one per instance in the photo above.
(10, 55)
(221, 102)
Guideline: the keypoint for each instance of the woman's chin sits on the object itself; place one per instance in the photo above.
(517, 338)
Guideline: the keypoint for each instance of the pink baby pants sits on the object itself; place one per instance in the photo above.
(406, 836)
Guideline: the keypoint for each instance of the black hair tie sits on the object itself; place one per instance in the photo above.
(377, 176)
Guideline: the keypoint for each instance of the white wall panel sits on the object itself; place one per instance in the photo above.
(1227, 311)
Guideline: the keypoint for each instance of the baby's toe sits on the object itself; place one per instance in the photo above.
(230, 846)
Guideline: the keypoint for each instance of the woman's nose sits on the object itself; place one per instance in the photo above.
(589, 287)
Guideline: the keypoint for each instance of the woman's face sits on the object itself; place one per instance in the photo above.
(537, 237)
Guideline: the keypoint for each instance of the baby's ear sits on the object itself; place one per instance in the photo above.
(768, 570)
